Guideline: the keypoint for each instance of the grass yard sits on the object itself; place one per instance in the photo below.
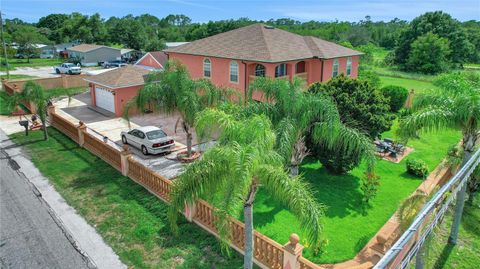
(418, 85)
(348, 227)
(37, 62)
(130, 219)
(465, 254)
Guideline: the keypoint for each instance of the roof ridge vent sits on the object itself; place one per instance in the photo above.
(268, 27)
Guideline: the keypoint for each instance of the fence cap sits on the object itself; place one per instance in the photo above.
(293, 246)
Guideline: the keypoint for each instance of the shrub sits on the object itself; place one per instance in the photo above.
(417, 168)
(397, 96)
(370, 183)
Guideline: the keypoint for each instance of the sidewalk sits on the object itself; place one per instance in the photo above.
(82, 235)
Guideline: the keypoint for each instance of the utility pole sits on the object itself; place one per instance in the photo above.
(4, 47)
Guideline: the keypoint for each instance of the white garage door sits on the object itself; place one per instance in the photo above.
(105, 99)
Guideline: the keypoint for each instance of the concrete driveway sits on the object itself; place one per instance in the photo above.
(46, 71)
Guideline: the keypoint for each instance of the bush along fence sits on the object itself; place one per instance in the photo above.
(267, 252)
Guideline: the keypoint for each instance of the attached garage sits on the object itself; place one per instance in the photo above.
(105, 99)
(113, 89)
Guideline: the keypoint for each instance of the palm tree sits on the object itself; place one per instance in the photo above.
(296, 113)
(172, 91)
(36, 95)
(243, 161)
(454, 104)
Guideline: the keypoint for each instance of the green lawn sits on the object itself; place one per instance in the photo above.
(37, 62)
(417, 85)
(347, 226)
(130, 219)
(465, 254)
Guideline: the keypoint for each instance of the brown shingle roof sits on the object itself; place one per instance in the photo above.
(86, 47)
(120, 77)
(259, 42)
(160, 57)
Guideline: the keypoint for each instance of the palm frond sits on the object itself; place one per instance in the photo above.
(297, 196)
(428, 119)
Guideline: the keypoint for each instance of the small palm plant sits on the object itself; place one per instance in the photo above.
(36, 95)
(172, 90)
(243, 162)
(296, 113)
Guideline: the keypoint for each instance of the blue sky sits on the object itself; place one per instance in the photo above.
(205, 10)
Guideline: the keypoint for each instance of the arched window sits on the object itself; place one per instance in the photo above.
(233, 71)
(300, 67)
(335, 68)
(349, 66)
(207, 68)
(259, 70)
(281, 70)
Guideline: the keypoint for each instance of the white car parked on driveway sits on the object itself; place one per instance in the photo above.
(68, 68)
(149, 139)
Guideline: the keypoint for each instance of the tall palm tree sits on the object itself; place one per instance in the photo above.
(36, 95)
(243, 161)
(296, 113)
(454, 104)
(172, 90)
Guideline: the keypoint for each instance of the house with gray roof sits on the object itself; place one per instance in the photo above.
(92, 55)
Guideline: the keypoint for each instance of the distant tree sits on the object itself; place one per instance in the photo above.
(429, 54)
(440, 24)
(361, 107)
(155, 45)
(26, 38)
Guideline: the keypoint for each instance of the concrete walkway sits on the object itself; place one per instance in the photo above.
(81, 235)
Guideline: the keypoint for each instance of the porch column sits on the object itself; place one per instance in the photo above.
(124, 154)
(291, 70)
(81, 133)
(291, 252)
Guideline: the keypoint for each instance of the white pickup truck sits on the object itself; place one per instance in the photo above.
(68, 68)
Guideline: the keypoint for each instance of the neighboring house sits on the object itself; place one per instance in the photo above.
(154, 60)
(92, 55)
(112, 90)
(130, 55)
(51, 51)
(235, 58)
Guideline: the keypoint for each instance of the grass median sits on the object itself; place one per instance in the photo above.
(130, 219)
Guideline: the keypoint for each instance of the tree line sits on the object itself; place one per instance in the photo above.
(431, 43)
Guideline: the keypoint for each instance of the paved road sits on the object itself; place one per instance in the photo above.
(29, 235)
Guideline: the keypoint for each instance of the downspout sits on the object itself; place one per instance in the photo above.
(321, 73)
(245, 80)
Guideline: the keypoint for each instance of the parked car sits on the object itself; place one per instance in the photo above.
(149, 139)
(24, 56)
(68, 68)
(46, 55)
(116, 63)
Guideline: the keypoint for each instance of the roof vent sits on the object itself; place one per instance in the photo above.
(269, 27)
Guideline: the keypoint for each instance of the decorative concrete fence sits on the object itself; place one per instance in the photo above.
(267, 252)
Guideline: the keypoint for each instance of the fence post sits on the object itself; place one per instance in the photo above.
(124, 160)
(81, 133)
(64, 81)
(50, 112)
(190, 210)
(409, 101)
(291, 252)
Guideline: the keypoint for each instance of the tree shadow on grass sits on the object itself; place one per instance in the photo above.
(442, 259)
(340, 193)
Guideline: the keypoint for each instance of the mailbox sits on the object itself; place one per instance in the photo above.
(24, 123)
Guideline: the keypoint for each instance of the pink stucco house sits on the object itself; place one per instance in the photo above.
(233, 59)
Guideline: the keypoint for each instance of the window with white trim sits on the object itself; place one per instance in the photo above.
(335, 68)
(207, 68)
(349, 66)
(259, 70)
(281, 70)
(233, 71)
